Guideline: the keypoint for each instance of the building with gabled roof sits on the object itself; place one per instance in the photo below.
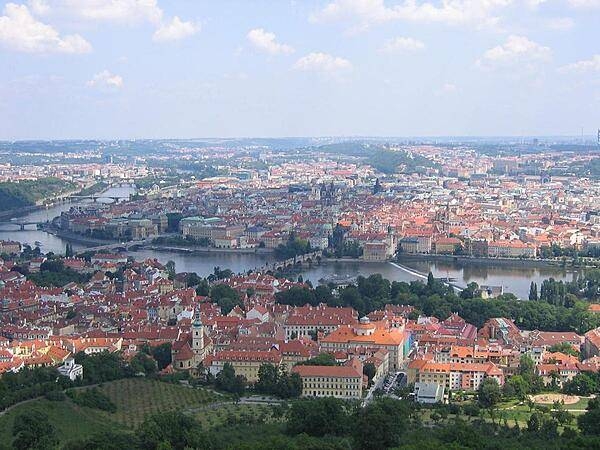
(344, 381)
(369, 335)
(191, 349)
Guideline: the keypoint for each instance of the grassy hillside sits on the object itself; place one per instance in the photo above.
(71, 421)
(134, 398)
(27, 193)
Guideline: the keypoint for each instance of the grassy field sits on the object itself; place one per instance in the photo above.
(71, 421)
(513, 411)
(134, 398)
(230, 413)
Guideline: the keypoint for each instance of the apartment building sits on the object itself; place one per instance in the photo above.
(309, 320)
(453, 376)
(367, 334)
(332, 381)
(246, 363)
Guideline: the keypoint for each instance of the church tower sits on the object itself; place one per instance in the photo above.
(197, 333)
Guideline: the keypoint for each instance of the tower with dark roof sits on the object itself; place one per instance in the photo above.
(197, 333)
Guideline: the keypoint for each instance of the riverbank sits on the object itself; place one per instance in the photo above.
(512, 262)
(200, 250)
(25, 210)
(77, 238)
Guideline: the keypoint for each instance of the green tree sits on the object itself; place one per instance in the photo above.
(322, 359)
(533, 292)
(589, 423)
(516, 386)
(226, 297)
(268, 376)
(142, 363)
(489, 393)
(105, 440)
(228, 381)
(470, 291)
(173, 428)
(203, 288)
(296, 296)
(32, 430)
(162, 355)
(534, 423)
(564, 347)
(170, 268)
(381, 424)
(526, 365)
(318, 417)
(582, 384)
(289, 386)
(430, 280)
(369, 370)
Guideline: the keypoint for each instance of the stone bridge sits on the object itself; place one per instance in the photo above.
(95, 198)
(290, 263)
(20, 226)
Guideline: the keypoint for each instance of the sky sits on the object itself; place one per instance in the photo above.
(121, 69)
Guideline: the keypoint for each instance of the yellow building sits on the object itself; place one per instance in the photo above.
(246, 363)
(375, 251)
(332, 381)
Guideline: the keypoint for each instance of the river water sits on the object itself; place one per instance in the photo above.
(515, 278)
(48, 242)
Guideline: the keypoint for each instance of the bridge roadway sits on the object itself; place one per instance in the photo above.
(21, 225)
(126, 245)
(280, 265)
(95, 198)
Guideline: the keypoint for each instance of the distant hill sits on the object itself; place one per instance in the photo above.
(26, 193)
(380, 156)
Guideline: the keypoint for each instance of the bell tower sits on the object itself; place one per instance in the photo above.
(197, 332)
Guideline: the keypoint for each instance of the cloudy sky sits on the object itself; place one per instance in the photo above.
(200, 68)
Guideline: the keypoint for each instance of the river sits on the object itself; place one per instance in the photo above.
(48, 242)
(515, 278)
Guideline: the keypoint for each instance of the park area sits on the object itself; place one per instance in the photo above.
(551, 397)
(135, 398)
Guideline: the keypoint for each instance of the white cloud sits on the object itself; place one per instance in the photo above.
(402, 44)
(559, 23)
(106, 79)
(120, 12)
(322, 62)
(535, 3)
(586, 65)
(585, 4)
(39, 7)
(128, 11)
(20, 31)
(175, 30)
(266, 41)
(449, 88)
(517, 50)
(453, 12)
(446, 90)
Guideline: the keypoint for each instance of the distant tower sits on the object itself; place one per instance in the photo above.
(598, 137)
(442, 217)
(197, 332)
(391, 240)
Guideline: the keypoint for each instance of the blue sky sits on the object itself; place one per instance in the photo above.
(193, 68)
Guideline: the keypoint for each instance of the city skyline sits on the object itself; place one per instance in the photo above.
(148, 69)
